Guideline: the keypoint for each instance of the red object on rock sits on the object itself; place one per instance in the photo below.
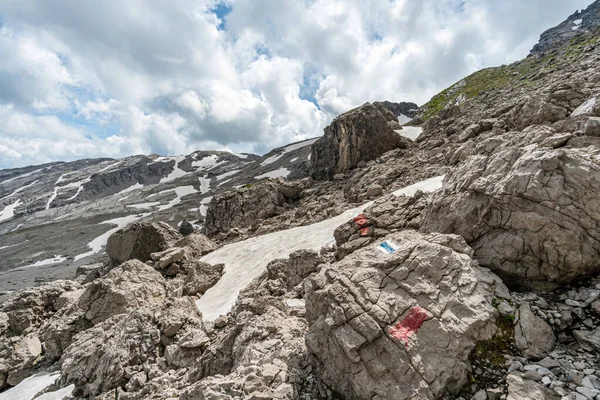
(409, 325)
(360, 220)
(365, 231)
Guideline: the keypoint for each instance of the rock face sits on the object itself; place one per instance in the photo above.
(243, 207)
(533, 336)
(578, 23)
(403, 108)
(361, 134)
(140, 240)
(401, 325)
(132, 285)
(528, 212)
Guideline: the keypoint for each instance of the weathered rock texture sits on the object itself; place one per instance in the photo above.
(530, 213)
(243, 207)
(140, 240)
(361, 134)
(360, 311)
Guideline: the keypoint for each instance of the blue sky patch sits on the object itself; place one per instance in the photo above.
(221, 10)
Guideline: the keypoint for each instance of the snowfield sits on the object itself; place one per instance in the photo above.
(278, 173)
(242, 264)
(287, 149)
(410, 132)
(9, 211)
(33, 385)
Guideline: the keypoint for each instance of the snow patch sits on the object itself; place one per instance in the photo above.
(204, 184)
(179, 192)
(20, 176)
(577, 22)
(31, 386)
(278, 173)
(585, 108)
(226, 174)
(9, 211)
(207, 163)
(410, 132)
(288, 149)
(403, 119)
(57, 395)
(48, 261)
(204, 205)
(177, 172)
(143, 206)
(110, 166)
(246, 260)
(20, 189)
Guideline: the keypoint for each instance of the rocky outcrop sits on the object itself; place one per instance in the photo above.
(246, 206)
(400, 323)
(403, 108)
(577, 24)
(126, 288)
(361, 134)
(528, 212)
(140, 240)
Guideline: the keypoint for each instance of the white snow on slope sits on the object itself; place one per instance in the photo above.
(9, 211)
(48, 261)
(278, 173)
(204, 205)
(585, 108)
(578, 21)
(226, 174)
(207, 163)
(20, 176)
(110, 166)
(31, 386)
(177, 172)
(287, 149)
(72, 185)
(204, 184)
(99, 242)
(410, 132)
(20, 190)
(12, 245)
(403, 119)
(179, 192)
(246, 260)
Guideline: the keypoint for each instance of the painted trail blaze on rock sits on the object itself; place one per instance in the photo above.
(361, 220)
(409, 325)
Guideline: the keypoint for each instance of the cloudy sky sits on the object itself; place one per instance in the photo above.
(109, 78)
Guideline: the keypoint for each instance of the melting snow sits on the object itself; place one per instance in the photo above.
(410, 132)
(207, 163)
(278, 173)
(180, 192)
(403, 119)
(99, 242)
(31, 386)
(226, 174)
(48, 261)
(585, 108)
(578, 21)
(110, 166)
(177, 172)
(203, 205)
(287, 149)
(9, 211)
(58, 395)
(20, 189)
(72, 185)
(242, 264)
(142, 206)
(204, 184)
(20, 176)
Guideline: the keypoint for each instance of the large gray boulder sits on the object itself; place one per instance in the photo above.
(361, 134)
(140, 240)
(533, 336)
(243, 207)
(530, 213)
(125, 288)
(400, 325)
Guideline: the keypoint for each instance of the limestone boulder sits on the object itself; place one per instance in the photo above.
(359, 135)
(125, 288)
(140, 240)
(533, 336)
(529, 212)
(399, 321)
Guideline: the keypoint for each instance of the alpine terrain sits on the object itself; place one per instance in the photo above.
(447, 251)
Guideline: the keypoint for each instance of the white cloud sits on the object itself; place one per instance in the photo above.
(142, 76)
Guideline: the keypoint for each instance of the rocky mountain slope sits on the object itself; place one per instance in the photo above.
(455, 257)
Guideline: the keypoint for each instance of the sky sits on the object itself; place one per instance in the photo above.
(111, 78)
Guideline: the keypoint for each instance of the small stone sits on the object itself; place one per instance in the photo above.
(546, 381)
(480, 395)
(221, 321)
(587, 392)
